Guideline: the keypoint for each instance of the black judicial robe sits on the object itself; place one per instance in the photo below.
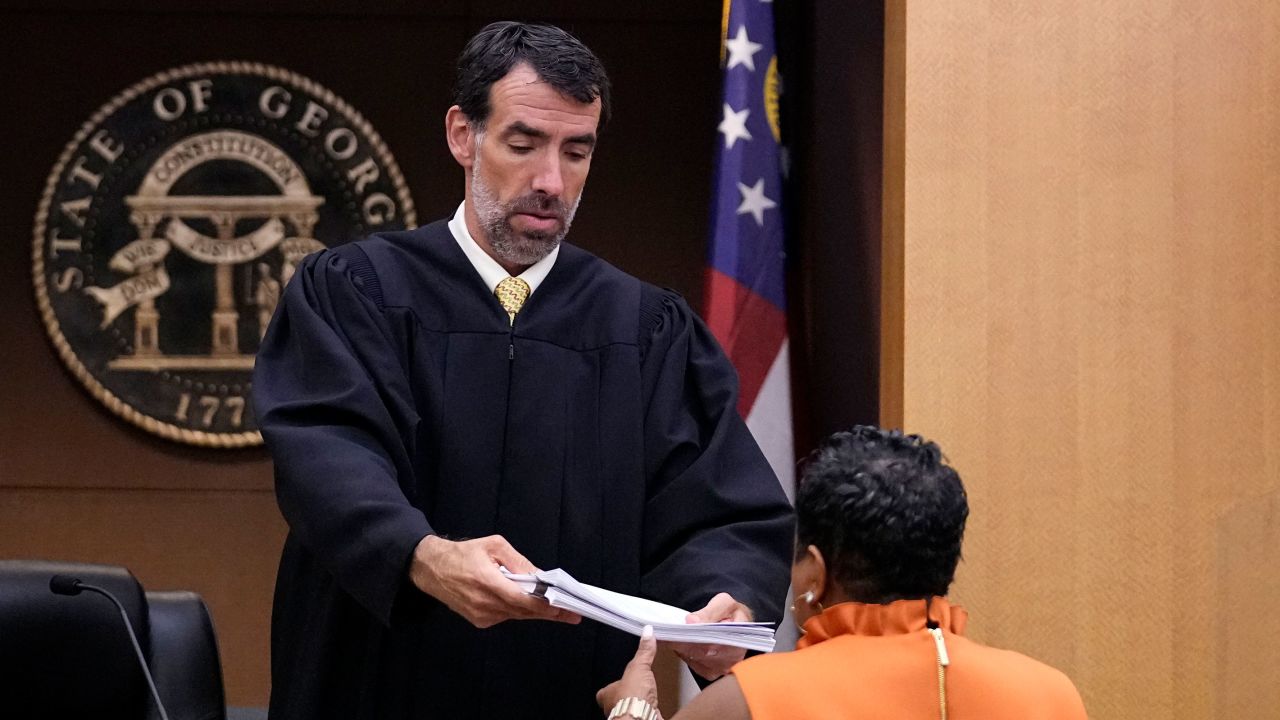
(599, 434)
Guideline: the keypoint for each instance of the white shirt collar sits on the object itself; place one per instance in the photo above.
(490, 271)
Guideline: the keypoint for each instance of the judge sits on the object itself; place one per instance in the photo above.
(476, 393)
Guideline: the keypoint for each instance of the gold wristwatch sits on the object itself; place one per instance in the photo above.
(634, 707)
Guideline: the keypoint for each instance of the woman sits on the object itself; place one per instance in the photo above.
(880, 518)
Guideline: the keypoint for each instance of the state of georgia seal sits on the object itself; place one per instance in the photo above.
(172, 222)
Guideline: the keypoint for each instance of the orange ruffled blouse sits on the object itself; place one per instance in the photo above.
(881, 662)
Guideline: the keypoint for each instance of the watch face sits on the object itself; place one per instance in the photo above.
(172, 222)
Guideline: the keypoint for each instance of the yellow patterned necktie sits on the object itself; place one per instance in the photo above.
(512, 292)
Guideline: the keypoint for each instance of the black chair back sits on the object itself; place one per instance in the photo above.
(71, 657)
(66, 655)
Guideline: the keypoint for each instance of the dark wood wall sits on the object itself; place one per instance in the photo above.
(77, 483)
(832, 57)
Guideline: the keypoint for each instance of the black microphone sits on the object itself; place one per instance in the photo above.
(66, 585)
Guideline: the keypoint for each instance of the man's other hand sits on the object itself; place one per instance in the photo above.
(464, 575)
(712, 661)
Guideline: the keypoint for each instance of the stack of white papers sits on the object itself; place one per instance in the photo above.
(630, 614)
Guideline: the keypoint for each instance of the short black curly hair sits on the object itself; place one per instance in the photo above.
(885, 510)
(560, 59)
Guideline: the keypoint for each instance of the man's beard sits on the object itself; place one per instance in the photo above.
(518, 248)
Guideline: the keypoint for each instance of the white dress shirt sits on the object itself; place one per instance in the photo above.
(490, 271)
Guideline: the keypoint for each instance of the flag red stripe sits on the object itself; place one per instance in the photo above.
(750, 328)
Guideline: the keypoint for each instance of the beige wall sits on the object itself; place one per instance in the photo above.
(1083, 249)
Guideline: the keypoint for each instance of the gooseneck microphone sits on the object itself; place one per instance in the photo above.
(65, 585)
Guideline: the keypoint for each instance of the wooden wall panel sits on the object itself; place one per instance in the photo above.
(832, 58)
(1248, 551)
(1090, 242)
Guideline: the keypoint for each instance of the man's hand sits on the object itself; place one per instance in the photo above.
(637, 680)
(712, 661)
(464, 576)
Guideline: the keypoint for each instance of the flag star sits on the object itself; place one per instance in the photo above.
(754, 201)
(734, 125)
(742, 50)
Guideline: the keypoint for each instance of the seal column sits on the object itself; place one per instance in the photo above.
(225, 318)
(146, 319)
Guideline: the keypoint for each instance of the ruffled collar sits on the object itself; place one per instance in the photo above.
(896, 618)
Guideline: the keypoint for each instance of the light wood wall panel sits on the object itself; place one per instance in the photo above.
(1090, 282)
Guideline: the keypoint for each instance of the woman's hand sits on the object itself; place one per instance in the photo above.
(637, 680)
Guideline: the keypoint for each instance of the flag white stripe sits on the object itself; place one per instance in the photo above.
(770, 420)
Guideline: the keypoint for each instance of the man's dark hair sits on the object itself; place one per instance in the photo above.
(885, 510)
(558, 58)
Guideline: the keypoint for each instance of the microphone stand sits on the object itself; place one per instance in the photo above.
(63, 585)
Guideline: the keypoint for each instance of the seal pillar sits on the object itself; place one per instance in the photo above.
(226, 319)
(146, 319)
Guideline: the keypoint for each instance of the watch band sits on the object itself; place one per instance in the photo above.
(634, 707)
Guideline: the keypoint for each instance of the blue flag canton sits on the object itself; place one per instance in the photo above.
(747, 231)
